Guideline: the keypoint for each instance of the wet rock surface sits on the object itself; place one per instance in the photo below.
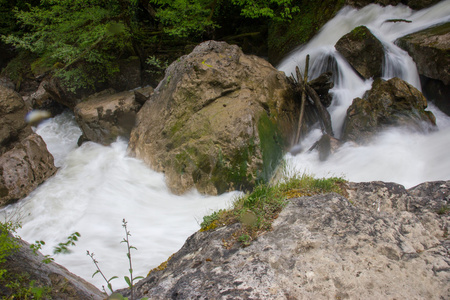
(381, 241)
(219, 121)
(363, 51)
(388, 103)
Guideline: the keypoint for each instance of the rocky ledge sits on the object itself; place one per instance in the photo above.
(380, 241)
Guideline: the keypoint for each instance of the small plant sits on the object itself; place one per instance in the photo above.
(129, 280)
(99, 271)
(257, 210)
(443, 210)
(157, 66)
(62, 248)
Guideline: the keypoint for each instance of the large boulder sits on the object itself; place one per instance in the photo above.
(107, 115)
(388, 103)
(26, 269)
(24, 159)
(380, 241)
(218, 121)
(363, 51)
(430, 49)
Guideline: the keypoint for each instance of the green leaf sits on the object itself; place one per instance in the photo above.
(114, 277)
(127, 279)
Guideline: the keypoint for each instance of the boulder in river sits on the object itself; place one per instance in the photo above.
(107, 115)
(363, 51)
(380, 241)
(389, 103)
(24, 159)
(430, 50)
(219, 121)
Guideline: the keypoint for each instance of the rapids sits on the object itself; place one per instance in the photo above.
(97, 186)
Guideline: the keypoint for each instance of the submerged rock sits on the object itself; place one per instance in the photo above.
(379, 242)
(107, 115)
(219, 120)
(24, 159)
(388, 103)
(363, 51)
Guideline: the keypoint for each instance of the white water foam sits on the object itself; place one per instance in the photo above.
(97, 187)
(397, 155)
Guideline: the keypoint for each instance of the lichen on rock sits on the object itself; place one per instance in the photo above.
(219, 121)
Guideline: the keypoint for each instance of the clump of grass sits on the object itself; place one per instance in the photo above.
(257, 210)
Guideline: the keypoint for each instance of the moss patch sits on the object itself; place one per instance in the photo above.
(272, 145)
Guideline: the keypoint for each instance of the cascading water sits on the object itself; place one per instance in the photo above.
(96, 186)
(398, 155)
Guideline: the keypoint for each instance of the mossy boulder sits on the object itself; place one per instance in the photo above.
(363, 51)
(388, 103)
(219, 121)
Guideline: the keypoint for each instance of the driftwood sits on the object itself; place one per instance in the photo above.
(301, 84)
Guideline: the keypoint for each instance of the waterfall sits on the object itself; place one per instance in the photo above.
(397, 154)
(97, 186)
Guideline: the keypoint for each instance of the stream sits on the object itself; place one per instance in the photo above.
(96, 187)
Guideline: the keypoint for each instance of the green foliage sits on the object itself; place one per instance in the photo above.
(79, 40)
(157, 66)
(278, 10)
(183, 18)
(8, 242)
(256, 211)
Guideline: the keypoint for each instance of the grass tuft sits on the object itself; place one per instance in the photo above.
(257, 210)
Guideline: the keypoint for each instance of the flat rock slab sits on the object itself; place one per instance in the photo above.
(379, 242)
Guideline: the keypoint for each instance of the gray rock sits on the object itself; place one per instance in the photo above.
(430, 49)
(61, 283)
(24, 159)
(388, 103)
(23, 168)
(219, 120)
(107, 115)
(368, 245)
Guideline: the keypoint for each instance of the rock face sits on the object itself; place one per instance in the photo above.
(380, 242)
(61, 283)
(25, 161)
(107, 115)
(430, 49)
(363, 51)
(388, 103)
(218, 121)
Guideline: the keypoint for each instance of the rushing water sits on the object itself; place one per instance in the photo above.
(97, 186)
(397, 155)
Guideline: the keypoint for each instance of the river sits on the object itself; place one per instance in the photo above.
(96, 187)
